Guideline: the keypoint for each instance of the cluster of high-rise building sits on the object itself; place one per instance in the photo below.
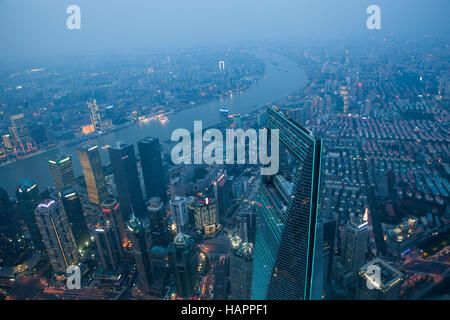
(362, 190)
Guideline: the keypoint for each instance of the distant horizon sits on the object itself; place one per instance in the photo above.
(38, 29)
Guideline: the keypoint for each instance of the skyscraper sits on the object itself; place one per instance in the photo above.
(141, 253)
(126, 178)
(95, 115)
(206, 218)
(108, 242)
(288, 229)
(246, 220)
(184, 266)
(27, 200)
(354, 246)
(74, 211)
(152, 168)
(224, 195)
(11, 244)
(57, 235)
(61, 171)
(158, 224)
(93, 173)
(241, 265)
(111, 211)
(19, 127)
(179, 212)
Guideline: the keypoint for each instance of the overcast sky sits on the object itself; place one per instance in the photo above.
(38, 27)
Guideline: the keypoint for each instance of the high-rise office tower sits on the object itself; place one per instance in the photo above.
(27, 200)
(141, 253)
(19, 127)
(124, 169)
(206, 218)
(11, 244)
(224, 195)
(179, 212)
(57, 235)
(159, 261)
(329, 235)
(354, 246)
(241, 266)
(93, 173)
(6, 139)
(111, 211)
(246, 221)
(224, 119)
(108, 243)
(95, 115)
(61, 171)
(288, 232)
(74, 211)
(152, 168)
(184, 266)
(158, 225)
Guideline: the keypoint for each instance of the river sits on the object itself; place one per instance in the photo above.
(282, 76)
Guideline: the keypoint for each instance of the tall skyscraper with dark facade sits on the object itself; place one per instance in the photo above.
(354, 246)
(74, 212)
(94, 176)
(124, 169)
(108, 243)
(141, 253)
(158, 224)
(288, 234)
(224, 195)
(183, 265)
(57, 235)
(111, 211)
(246, 220)
(152, 168)
(241, 266)
(28, 197)
(61, 171)
(11, 244)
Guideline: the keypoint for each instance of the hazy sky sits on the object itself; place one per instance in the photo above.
(38, 27)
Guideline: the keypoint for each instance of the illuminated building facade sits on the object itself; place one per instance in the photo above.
(205, 216)
(91, 164)
(61, 171)
(179, 211)
(57, 235)
(288, 233)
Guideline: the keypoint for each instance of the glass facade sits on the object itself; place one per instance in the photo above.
(287, 237)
